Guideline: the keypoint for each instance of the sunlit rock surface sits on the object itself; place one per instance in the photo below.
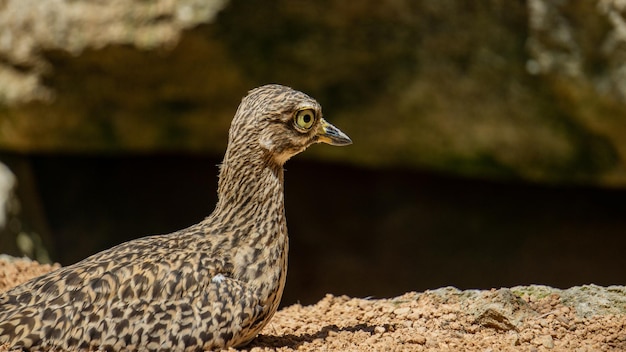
(525, 90)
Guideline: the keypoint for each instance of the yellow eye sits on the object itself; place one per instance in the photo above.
(304, 118)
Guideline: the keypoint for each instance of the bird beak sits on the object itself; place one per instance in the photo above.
(330, 134)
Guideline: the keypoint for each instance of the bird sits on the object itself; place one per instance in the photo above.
(210, 286)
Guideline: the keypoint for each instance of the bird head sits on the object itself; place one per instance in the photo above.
(282, 122)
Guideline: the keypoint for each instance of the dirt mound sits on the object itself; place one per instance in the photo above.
(527, 318)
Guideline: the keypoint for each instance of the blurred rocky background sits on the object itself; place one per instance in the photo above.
(489, 137)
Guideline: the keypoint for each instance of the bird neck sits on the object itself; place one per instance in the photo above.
(250, 214)
(250, 189)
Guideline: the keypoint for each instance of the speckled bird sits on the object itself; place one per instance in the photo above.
(213, 285)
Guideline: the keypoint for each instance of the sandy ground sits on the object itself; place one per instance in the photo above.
(517, 319)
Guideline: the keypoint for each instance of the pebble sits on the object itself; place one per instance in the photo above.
(419, 339)
(414, 315)
(545, 341)
(402, 311)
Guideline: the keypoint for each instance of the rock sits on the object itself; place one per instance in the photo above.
(585, 301)
(528, 90)
(588, 300)
(7, 185)
(9, 206)
(545, 341)
(499, 309)
(17, 217)
(492, 318)
(402, 311)
(32, 29)
(418, 339)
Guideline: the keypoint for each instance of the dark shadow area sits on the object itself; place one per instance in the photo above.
(353, 231)
(293, 341)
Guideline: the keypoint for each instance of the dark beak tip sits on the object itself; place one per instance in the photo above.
(334, 136)
(345, 142)
(340, 140)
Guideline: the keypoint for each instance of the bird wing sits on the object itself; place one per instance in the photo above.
(224, 310)
(126, 295)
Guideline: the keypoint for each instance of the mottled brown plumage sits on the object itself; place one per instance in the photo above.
(215, 284)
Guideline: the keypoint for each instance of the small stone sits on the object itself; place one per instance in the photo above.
(544, 340)
(402, 311)
(418, 339)
(495, 319)
(455, 325)
(547, 342)
(369, 315)
(379, 329)
(515, 341)
(414, 315)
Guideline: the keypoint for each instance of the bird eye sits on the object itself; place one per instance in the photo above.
(304, 119)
